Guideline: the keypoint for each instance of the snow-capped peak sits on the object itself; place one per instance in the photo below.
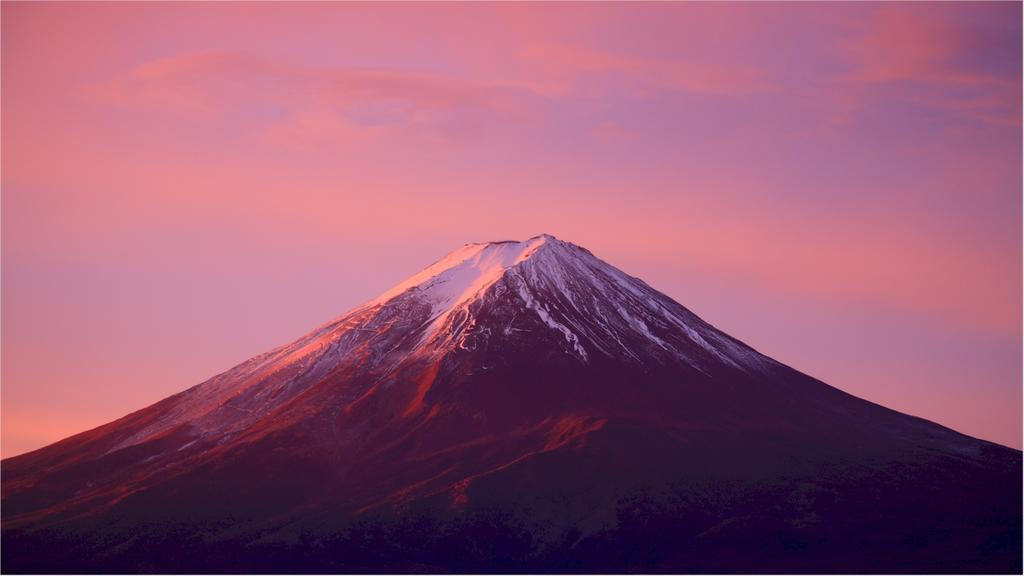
(464, 273)
(543, 293)
(590, 305)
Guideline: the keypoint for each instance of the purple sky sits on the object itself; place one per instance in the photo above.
(186, 185)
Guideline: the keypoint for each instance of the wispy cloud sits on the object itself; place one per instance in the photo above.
(284, 96)
(569, 63)
(933, 58)
(610, 132)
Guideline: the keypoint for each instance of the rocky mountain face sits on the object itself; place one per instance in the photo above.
(516, 406)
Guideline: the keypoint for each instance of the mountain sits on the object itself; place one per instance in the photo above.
(516, 406)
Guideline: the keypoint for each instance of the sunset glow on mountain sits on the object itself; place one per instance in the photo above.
(808, 213)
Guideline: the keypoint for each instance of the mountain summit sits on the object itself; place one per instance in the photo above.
(515, 406)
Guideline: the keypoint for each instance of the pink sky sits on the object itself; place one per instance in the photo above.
(186, 185)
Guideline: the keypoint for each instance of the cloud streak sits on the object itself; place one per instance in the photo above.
(937, 59)
(284, 97)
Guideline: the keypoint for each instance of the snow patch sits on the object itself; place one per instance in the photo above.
(545, 317)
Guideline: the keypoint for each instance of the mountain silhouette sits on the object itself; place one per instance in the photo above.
(514, 407)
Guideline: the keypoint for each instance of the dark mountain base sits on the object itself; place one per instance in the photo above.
(934, 518)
